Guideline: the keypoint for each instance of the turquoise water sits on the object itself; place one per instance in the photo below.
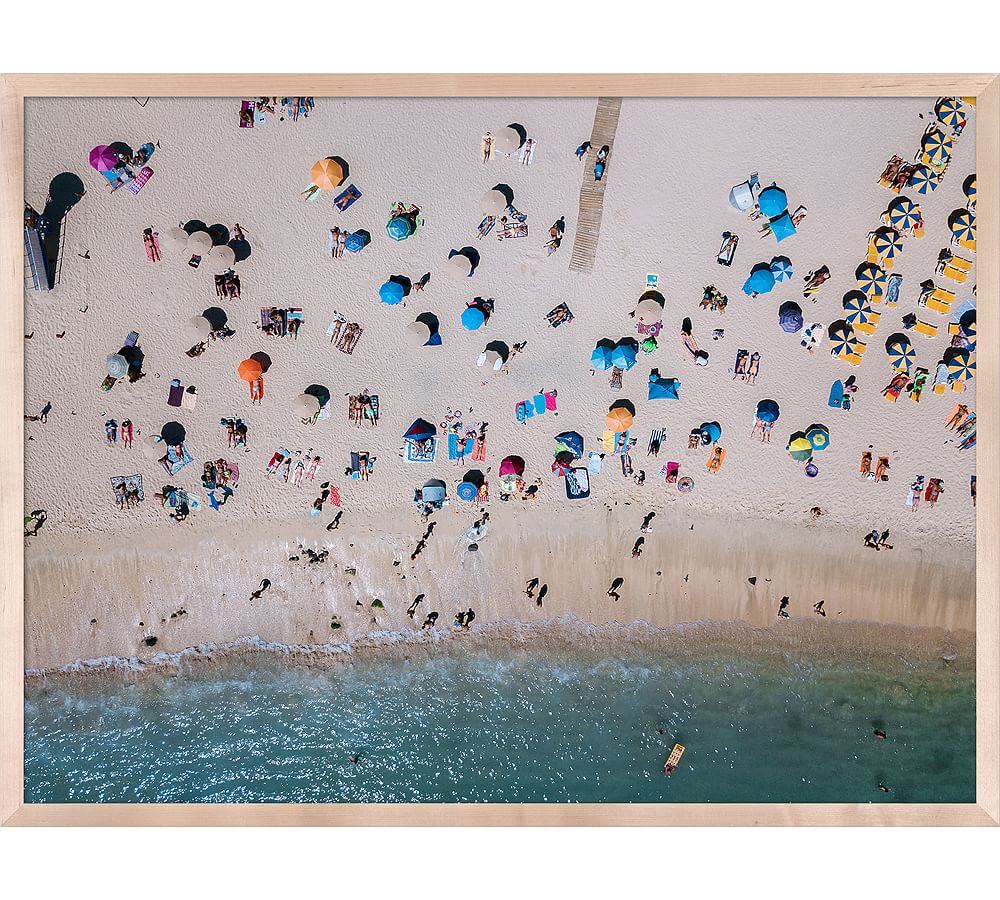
(505, 727)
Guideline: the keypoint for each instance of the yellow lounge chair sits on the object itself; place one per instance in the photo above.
(954, 328)
(957, 269)
(925, 328)
(939, 388)
(969, 245)
(869, 326)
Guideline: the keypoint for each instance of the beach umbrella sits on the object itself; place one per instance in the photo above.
(417, 334)
(356, 241)
(799, 447)
(618, 419)
(197, 328)
(768, 411)
(858, 308)
(572, 441)
(507, 139)
(173, 433)
(434, 490)
(473, 318)
(328, 173)
(871, 279)
(961, 364)
(600, 358)
(818, 436)
(649, 310)
(949, 112)
(843, 340)
(250, 370)
(103, 158)
(790, 317)
(221, 259)
(117, 365)
(922, 180)
(420, 430)
(399, 228)
(741, 196)
(903, 214)
(623, 354)
(493, 203)
(306, 406)
(963, 225)
(391, 293)
(153, 446)
(467, 491)
(887, 243)
(710, 430)
(219, 234)
(901, 353)
(781, 268)
(199, 242)
(761, 280)
(663, 388)
(969, 187)
(512, 465)
(562, 464)
(967, 323)
(772, 201)
(173, 239)
(937, 148)
(459, 266)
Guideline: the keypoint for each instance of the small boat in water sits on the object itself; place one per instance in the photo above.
(673, 760)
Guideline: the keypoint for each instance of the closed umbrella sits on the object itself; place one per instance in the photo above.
(963, 226)
(904, 214)
(761, 280)
(937, 148)
(117, 365)
(799, 447)
(459, 266)
(507, 140)
(871, 279)
(961, 365)
(818, 436)
(417, 334)
(249, 370)
(305, 406)
(103, 158)
(772, 201)
(199, 242)
(473, 318)
(781, 268)
(600, 358)
(493, 203)
(197, 328)
(221, 259)
(923, 180)
(399, 228)
(174, 239)
(623, 354)
(949, 112)
(391, 293)
(901, 354)
(327, 174)
(768, 411)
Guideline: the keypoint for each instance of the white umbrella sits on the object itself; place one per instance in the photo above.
(200, 242)
(117, 365)
(648, 311)
(507, 140)
(197, 328)
(459, 266)
(174, 240)
(417, 334)
(493, 203)
(305, 405)
(221, 259)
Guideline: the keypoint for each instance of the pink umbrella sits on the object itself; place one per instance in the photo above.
(103, 158)
(512, 465)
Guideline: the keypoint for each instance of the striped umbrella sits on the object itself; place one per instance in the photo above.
(903, 214)
(871, 279)
(923, 180)
(887, 244)
(843, 340)
(963, 226)
(961, 365)
(901, 354)
(818, 436)
(969, 187)
(949, 112)
(858, 308)
(781, 268)
(937, 148)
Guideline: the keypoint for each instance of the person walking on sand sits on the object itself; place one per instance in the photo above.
(412, 608)
(43, 416)
(264, 585)
(541, 595)
(530, 588)
(581, 151)
(637, 548)
(783, 608)
(646, 529)
(819, 608)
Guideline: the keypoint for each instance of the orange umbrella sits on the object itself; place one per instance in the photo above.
(618, 419)
(250, 370)
(327, 174)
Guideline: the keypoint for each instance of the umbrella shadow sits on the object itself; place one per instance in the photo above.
(507, 191)
(263, 359)
(430, 320)
(471, 254)
(320, 392)
(219, 234)
(217, 317)
(474, 476)
(653, 295)
(897, 338)
(403, 282)
(522, 132)
(627, 405)
(193, 225)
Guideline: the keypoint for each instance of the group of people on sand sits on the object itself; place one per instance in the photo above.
(876, 541)
(112, 430)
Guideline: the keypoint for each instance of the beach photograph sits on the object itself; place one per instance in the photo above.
(606, 449)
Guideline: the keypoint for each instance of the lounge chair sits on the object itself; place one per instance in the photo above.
(925, 328)
(956, 268)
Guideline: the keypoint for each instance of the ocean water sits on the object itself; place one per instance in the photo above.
(505, 727)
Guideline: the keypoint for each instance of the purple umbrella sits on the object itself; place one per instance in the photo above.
(103, 158)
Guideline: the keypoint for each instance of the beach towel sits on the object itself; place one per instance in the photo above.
(608, 441)
(550, 401)
(671, 470)
(486, 226)
(176, 394)
(540, 403)
(135, 185)
(594, 461)
(347, 198)
(615, 380)
(559, 315)
(415, 454)
(655, 439)
(335, 496)
(521, 411)
(132, 484)
(189, 398)
(453, 441)
(176, 461)
(355, 464)
(578, 484)
(247, 110)
(716, 459)
(742, 356)
(479, 449)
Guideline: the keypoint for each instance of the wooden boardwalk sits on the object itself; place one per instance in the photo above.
(588, 220)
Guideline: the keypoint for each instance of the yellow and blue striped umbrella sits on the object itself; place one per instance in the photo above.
(843, 340)
(903, 214)
(937, 148)
(818, 437)
(963, 225)
(923, 180)
(887, 244)
(901, 354)
(858, 308)
(949, 112)
(961, 365)
(969, 187)
(871, 279)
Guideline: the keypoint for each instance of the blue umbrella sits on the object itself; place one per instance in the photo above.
(467, 491)
(473, 318)
(355, 242)
(663, 389)
(573, 442)
(398, 228)
(768, 411)
(712, 429)
(790, 318)
(623, 355)
(782, 227)
(761, 280)
(391, 292)
(772, 201)
(600, 359)
(781, 268)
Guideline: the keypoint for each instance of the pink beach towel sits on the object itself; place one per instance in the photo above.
(550, 400)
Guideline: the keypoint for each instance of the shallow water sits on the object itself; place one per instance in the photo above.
(517, 727)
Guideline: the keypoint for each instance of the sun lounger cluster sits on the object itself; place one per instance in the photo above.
(931, 160)
(257, 111)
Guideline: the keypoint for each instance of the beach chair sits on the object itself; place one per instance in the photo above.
(869, 326)
(956, 268)
(940, 300)
(925, 329)
(673, 759)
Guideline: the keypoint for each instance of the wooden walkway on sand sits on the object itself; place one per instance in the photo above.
(588, 220)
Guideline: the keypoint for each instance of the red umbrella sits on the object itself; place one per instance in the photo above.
(103, 158)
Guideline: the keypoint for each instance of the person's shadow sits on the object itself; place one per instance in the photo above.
(65, 191)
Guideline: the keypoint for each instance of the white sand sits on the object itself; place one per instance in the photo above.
(665, 208)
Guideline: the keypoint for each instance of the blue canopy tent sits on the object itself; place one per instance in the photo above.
(663, 388)
(420, 430)
(710, 432)
(782, 227)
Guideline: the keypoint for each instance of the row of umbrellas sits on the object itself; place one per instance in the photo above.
(803, 444)
(763, 276)
(609, 354)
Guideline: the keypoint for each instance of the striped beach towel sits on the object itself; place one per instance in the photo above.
(655, 439)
